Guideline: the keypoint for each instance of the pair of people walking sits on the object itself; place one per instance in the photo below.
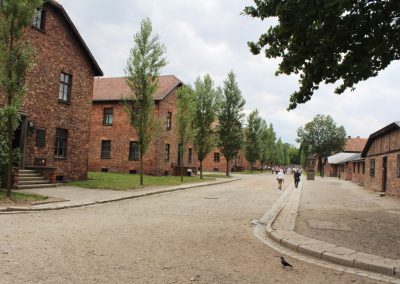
(280, 177)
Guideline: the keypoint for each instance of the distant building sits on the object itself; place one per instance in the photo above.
(382, 160)
(113, 140)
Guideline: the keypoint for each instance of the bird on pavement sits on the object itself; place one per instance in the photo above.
(285, 263)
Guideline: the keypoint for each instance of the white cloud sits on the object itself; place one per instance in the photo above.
(211, 36)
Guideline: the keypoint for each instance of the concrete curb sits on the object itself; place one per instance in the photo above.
(27, 209)
(323, 250)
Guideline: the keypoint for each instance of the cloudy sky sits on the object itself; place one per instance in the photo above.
(210, 36)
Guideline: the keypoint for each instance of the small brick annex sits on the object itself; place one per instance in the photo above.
(113, 139)
(54, 131)
(216, 162)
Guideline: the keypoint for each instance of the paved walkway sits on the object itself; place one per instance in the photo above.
(319, 220)
(62, 197)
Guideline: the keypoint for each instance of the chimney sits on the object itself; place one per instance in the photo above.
(349, 137)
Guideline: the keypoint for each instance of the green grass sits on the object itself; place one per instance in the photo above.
(118, 181)
(214, 175)
(17, 196)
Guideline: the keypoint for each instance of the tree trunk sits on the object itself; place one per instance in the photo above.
(251, 167)
(321, 166)
(10, 157)
(201, 169)
(141, 169)
(227, 167)
(181, 163)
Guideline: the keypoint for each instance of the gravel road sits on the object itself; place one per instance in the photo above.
(202, 235)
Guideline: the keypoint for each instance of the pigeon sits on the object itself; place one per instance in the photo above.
(285, 263)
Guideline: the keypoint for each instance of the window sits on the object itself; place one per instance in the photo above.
(169, 120)
(60, 149)
(372, 168)
(166, 152)
(216, 157)
(39, 19)
(398, 165)
(108, 116)
(40, 138)
(105, 149)
(135, 117)
(133, 150)
(190, 154)
(65, 88)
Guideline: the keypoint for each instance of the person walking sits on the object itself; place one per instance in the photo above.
(296, 178)
(280, 178)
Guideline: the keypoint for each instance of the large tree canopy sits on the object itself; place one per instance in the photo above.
(321, 136)
(344, 41)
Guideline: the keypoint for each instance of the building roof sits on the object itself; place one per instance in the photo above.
(340, 158)
(96, 68)
(355, 145)
(391, 127)
(116, 89)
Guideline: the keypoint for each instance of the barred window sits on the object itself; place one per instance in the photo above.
(105, 149)
(108, 116)
(135, 117)
(133, 150)
(60, 149)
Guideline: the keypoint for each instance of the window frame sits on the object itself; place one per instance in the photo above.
(107, 113)
(40, 139)
(39, 20)
(217, 157)
(135, 117)
(372, 168)
(169, 120)
(105, 150)
(62, 86)
(167, 150)
(398, 165)
(132, 157)
(61, 143)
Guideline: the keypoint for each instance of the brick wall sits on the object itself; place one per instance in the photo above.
(385, 146)
(121, 133)
(58, 49)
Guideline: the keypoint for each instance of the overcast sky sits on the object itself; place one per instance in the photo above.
(210, 36)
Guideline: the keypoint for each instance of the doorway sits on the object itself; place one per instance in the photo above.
(384, 174)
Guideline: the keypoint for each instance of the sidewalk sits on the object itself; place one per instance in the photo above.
(70, 197)
(340, 222)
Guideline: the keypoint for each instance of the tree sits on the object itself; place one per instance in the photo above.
(143, 67)
(206, 104)
(252, 138)
(267, 136)
(279, 156)
(230, 133)
(183, 120)
(16, 58)
(329, 41)
(294, 155)
(321, 136)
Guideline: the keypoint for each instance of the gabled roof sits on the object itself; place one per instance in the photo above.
(96, 68)
(355, 144)
(116, 89)
(389, 128)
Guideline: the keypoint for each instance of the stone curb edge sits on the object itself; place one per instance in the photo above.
(323, 250)
(18, 209)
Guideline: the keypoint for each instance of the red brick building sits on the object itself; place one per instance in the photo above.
(54, 131)
(113, 141)
(382, 160)
(216, 162)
